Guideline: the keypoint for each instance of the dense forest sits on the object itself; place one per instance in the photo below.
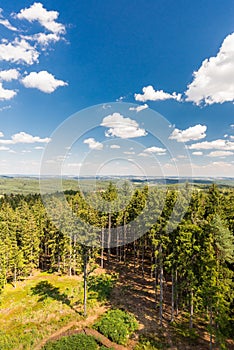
(194, 254)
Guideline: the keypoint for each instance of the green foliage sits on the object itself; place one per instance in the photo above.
(150, 342)
(117, 325)
(197, 255)
(182, 330)
(74, 342)
(100, 286)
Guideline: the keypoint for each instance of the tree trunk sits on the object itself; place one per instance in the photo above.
(74, 255)
(134, 248)
(109, 235)
(142, 260)
(161, 286)
(156, 281)
(70, 256)
(15, 275)
(59, 269)
(191, 310)
(211, 331)
(102, 247)
(117, 243)
(85, 282)
(172, 296)
(152, 262)
(176, 293)
(125, 236)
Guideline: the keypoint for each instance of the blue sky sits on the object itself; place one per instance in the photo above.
(174, 58)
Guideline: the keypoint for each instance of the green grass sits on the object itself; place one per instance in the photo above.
(44, 303)
(26, 316)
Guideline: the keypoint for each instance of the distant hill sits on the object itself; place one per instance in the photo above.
(30, 183)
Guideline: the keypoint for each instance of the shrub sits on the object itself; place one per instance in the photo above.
(74, 342)
(101, 285)
(117, 325)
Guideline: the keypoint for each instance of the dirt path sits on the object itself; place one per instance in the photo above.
(75, 325)
(104, 340)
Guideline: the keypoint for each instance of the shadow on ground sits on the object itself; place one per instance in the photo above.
(135, 293)
(45, 289)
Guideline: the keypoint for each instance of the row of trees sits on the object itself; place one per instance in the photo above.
(186, 238)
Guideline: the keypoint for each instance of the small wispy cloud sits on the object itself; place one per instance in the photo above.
(139, 108)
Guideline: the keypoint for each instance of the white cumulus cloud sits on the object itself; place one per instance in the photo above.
(6, 94)
(122, 127)
(150, 94)
(43, 81)
(18, 51)
(214, 80)
(47, 19)
(93, 144)
(196, 132)
(159, 151)
(23, 137)
(219, 144)
(9, 75)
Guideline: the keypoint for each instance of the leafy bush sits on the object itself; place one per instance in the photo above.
(74, 342)
(117, 325)
(100, 286)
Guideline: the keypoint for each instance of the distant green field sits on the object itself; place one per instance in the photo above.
(28, 185)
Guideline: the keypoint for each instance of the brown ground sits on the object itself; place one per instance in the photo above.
(135, 293)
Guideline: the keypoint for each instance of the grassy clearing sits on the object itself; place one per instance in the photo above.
(38, 307)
